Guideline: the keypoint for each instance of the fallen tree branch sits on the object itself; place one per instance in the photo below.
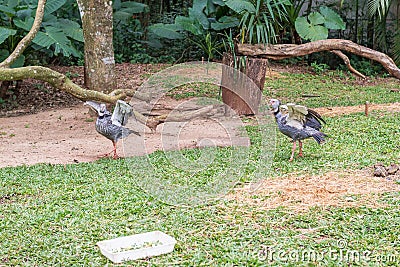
(177, 116)
(282, 51)
(58, 80)
(184, 116)
(346, 61)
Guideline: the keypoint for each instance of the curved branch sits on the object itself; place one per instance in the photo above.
(278, 52)
(23, 44)
(58, 80)
(346, 61)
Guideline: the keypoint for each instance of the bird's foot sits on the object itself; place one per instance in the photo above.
(107, 155)
(301, 155)
(291, 159)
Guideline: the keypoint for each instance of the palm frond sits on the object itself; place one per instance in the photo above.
(396, 47)
(378, 7)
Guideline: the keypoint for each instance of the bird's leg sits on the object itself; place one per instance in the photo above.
(293, 149)
(300, 148)
(115, 150)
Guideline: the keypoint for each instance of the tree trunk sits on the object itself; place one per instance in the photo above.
(279, 52)
(242, 89)
(97, 27)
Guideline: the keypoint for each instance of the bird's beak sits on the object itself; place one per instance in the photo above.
(91, 106)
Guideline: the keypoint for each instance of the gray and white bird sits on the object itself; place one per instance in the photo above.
(298, 123)
(110, 125)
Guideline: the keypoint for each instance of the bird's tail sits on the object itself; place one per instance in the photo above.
(319, 137)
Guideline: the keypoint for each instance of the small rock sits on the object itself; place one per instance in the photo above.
(392, 169)
(380, 171)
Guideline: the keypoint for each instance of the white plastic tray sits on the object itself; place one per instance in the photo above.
(137, 246)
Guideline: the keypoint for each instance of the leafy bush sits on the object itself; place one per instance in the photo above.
(316, 25)
(319, 68)
(57, 36)
(367, 67)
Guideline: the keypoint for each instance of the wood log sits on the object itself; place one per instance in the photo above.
(282, 51)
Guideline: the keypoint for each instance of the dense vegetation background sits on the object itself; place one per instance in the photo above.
(175, 31)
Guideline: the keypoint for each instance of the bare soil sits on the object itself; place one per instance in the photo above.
(68, 135)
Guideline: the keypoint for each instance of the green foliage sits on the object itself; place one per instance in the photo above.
(203, 17)
(316, 25)
(57, 36)
(169, 31)
(396, 47)
(257, 22)
(210, 45)
(123, 11)
(129, 36)
(204, 21)
(332, 20)
(379, 7)
(5, 33)
(261, 23)
(367, 67)
(319, 68)
(288, 25)
(387, 35)
(240, 6)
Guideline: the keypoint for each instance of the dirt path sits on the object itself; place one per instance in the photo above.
(337, 111)
(67, 135)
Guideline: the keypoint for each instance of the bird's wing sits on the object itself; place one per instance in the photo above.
(316, 115)
(283, 108)
(122, 112)
(297, 112)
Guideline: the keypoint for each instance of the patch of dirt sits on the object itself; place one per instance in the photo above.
(338, 111)
(68, 135)
(300, 192)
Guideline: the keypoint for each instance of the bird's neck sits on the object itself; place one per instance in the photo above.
(278, 115)
(276, 112)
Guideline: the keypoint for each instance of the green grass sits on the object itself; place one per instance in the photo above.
(53, 215)
(195, 90)
(354, 142)
(332, 91)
